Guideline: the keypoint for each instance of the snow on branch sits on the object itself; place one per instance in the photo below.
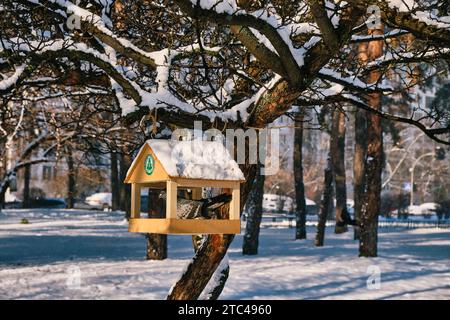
(352, 82)
(76, 50)
(336, 96)
(265, 21)
(394, 57)
(422, 19)
(10, 81)
(220, 6)
(390, 34)
(243, 108)
(97, 26)
(429, 17)
(123, 86)
(217, 280)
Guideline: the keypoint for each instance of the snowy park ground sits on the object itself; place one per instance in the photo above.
(73, 254)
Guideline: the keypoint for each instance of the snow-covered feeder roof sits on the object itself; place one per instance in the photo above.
(162, 160)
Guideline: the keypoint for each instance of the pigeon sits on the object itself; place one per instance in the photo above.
(198, 209)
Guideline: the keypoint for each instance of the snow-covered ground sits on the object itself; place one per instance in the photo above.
(67, 254)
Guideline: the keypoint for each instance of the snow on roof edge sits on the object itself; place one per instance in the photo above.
(197, 159)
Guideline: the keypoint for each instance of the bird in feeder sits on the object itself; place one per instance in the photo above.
(199, 209)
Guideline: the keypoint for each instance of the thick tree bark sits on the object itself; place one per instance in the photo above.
(216, 284)
(156, 243)
(300, 201)
(125, 189)
(210, 254)
(115, 183)
(374, 162)
(337, 147)
(368, 237)
(325, 204)
(26, 186)
(202, 267)
(71, 180)
(254, 211)
(359, 164)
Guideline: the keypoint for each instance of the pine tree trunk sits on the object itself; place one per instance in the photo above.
(359, 164)
(71, 181)
(156, 243)
(337, 147)
(26, 186)
(325, 204)
(115, 184)
(217, 282)
(254, 211)
(374, 162)
(300, 213)
(125, 189)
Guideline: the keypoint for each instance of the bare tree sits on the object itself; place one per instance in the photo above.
(300, 229)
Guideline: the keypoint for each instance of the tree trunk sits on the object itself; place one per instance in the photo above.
(368, 237)
(254, 211)
(26, 186)
(337, 148)
(216, 284)
(156, 243)
(115, 184)
(300, 201)
(71, 182)
(209, 256)
(125, 189)
(359, 164)
(374, 162)
(325, 204)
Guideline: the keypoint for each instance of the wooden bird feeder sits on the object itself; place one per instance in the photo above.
(173, 165)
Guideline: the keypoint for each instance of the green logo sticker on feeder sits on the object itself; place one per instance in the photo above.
(149, 164)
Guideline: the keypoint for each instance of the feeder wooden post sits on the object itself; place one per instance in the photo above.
(171, 201)
(196, 193)
(135, 201)
(235, 205)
